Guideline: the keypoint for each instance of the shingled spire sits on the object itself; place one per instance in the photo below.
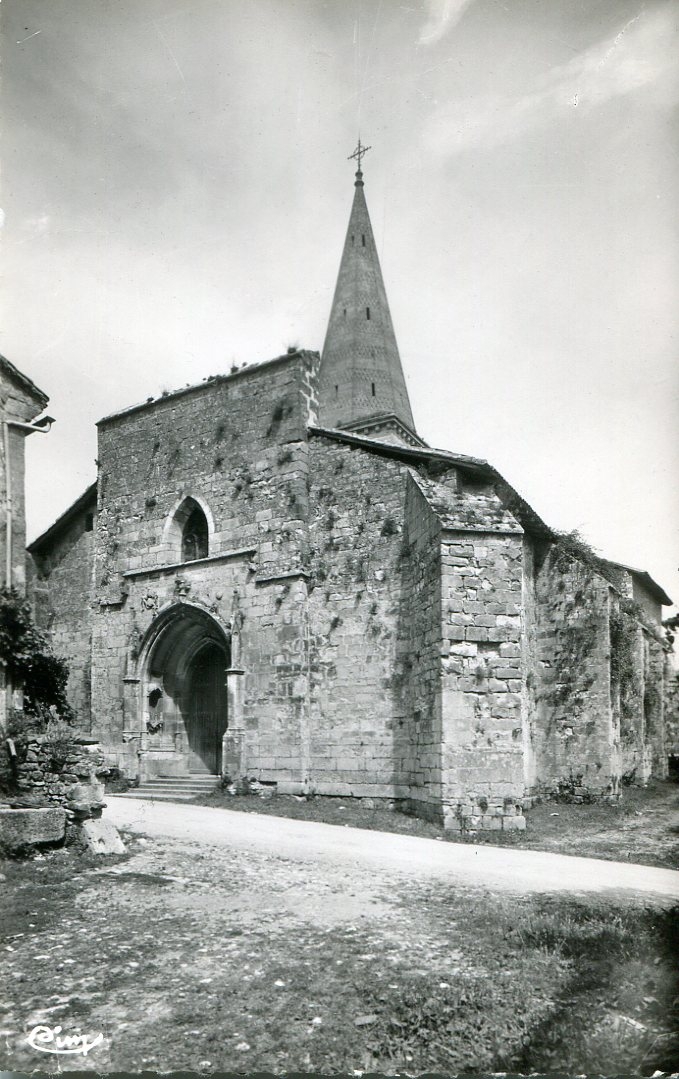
(362, 387)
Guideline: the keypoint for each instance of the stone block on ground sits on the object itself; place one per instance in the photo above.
(514, 824)
(101, 837)
(19, 827)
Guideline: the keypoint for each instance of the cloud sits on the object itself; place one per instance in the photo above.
(641, 54)
(442, 16)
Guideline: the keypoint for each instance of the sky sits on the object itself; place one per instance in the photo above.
(176, 191)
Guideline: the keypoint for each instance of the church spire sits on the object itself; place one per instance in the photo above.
(362, 386)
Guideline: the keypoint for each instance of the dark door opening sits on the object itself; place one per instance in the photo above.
(207, 710)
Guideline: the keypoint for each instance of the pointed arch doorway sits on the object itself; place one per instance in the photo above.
(185, 701)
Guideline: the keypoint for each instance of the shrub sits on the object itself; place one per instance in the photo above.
(30, 662)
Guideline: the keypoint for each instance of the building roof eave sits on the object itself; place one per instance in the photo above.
(656, 590)
(474, 466)
(27, 385)
(250, 369)
(86, 499)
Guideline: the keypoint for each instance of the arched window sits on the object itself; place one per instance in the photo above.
(195, 535)
(188, 531)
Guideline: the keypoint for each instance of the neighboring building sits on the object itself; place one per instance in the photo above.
(280, 580)
(21, 402)
(63, 592)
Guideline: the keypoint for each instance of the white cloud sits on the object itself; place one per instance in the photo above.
(641, 54)
(442, 16)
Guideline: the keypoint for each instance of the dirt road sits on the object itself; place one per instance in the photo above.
(226, 941)
(516, 871)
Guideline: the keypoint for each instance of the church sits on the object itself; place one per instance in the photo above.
(274, 578)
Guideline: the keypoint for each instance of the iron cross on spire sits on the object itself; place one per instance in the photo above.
(359, 153)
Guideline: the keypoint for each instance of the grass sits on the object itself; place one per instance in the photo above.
(643, 827)
(209, 959)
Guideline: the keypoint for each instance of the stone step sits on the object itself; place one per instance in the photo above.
(159, 796)
(192, 777)
(178, 785)
(173, 788)
(162, 789)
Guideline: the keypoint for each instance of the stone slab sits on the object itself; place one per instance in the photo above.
(102, 837)
(31, 826)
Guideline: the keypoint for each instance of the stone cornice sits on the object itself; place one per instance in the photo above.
(172, 567)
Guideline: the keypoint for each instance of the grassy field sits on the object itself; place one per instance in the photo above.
(643, 827)
(212, 959)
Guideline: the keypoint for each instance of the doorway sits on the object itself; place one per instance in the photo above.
(184, 693)
(206, 707)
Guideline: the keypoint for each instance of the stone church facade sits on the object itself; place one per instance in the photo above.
(274, 577)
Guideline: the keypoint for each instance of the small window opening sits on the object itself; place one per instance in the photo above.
(195, 536)
(352, 237)
(89, 522)
(363, 241)
(372, 388)
(336, 390)
(367, 312)
(344, 311)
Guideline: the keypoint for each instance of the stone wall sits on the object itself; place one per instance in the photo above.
(357, 712)
(62, 596)
(238, 446)
(16, 467)
(637, 660)
(594, 690)
(653, 702)
(63, 774)
(483, 680)
(231, 444)
(671, 711)
(575, 732)
(418, 664)
(16, 403)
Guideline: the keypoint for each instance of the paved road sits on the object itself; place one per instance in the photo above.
(499, 868)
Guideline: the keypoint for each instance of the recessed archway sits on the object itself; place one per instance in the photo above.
(184, 698)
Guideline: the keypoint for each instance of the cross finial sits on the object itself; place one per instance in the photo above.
(358, 154)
